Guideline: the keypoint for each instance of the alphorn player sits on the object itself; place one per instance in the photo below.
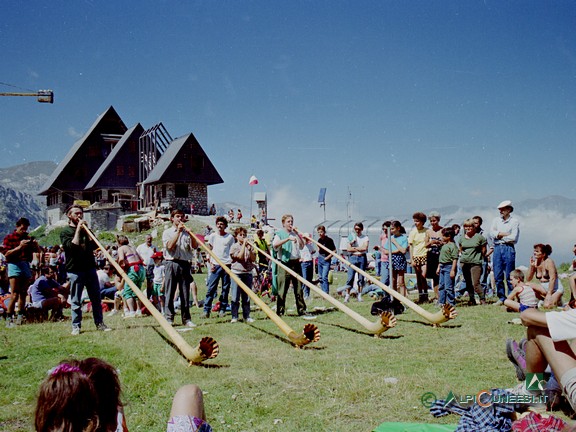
(81, 267)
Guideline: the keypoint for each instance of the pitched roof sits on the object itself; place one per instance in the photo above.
(78, 166)
(106, 176)
(184, 161)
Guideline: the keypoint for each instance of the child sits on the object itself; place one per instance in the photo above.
(133, 265)
(447, 263)
(84, 395)
(524, 293)
(243, 258)
(158, 271)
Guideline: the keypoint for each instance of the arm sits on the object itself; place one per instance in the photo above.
(453, 269)
(532, 270)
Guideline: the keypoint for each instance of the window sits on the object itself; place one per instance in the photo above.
(181, 190)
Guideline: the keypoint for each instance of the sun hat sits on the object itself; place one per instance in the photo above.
(506, 203)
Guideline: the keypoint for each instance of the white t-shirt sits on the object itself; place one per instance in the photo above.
(146, 253)
(103, 278)
(221, 247)
(158, 272)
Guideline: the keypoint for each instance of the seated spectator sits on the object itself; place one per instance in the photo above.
(85, 396)
(549, 334)
(106, 280)
(524, 295)
(47, 294)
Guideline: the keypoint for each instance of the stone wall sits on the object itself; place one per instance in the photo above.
(197, 196)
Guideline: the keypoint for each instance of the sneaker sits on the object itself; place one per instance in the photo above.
(10, 323)
(499, 303)
(138, 313)
(234, 320)
(112, 313)
(103, 327)
(75, 331)
(359, 297)
(130, 314)
(516, 358)
(346, 298)
(249, 320)
(308, 316)
(221, 314)
(189, 324)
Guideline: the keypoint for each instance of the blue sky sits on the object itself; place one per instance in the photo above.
(406, 104)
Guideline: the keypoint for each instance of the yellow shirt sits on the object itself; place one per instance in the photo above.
(417, 239)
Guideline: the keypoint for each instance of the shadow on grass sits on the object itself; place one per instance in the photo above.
(169, 342)
(353, 330)
(287, 341)
(429, 324)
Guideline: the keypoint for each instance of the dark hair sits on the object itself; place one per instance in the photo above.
(359, 225)
(448, 232)
(321, 227)
(72, 207)
(259, 232)
(456, 227)
(545, 248)
(222, 219)
(44, 270)
(107, 387)
(398, 224)
(419, 216)
(23, 222)
(386, 224)
(66, 401)
(479, 219)
(175, 212)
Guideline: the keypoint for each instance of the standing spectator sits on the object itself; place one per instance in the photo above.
(178, 252)
(384, 258)
(417, 242)
(81, 267)
(433, 244)
(377, 255)
(18, 250)
(220, 243)
(159, 270)
(358, 244)
(262, 244)
(505, 231)
(324, 257)
(307, 263)
(146, 250)
(477, 220)
(132, 264)
(231, 215)
(239, 216)
(287, 244)
(243, 258)
(447, 265)
(472, 251)
(395, 248)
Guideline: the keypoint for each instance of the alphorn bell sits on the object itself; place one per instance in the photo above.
(448, 312)
(387, 320)
(207, 348)
(311, 333)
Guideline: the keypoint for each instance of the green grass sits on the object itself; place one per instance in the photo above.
(259, 381)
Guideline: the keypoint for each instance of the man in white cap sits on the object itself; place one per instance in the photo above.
(505, 231)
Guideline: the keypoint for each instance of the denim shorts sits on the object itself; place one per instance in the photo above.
(19, 270)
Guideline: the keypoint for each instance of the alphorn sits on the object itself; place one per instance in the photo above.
(387, 320)
(447, 313)
(311, 333)
(207, 348)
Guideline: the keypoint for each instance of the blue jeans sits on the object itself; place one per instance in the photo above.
(79, 281)
(212, 287)
(360, 262)
(446, 286)
(308, 274)
(323, 270)
(237, 293)
(503, 262)
(385, 273)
